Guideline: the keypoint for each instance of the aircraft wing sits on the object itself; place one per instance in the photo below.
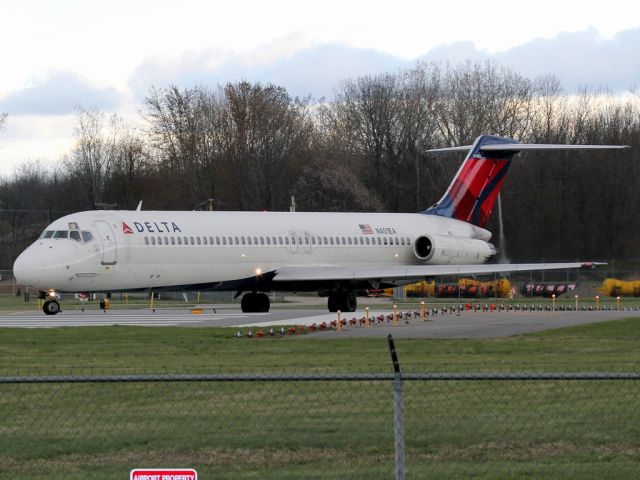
(409, 272)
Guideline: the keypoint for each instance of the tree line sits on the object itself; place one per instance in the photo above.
(251, 146)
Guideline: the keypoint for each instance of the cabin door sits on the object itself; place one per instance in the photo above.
(109, 247)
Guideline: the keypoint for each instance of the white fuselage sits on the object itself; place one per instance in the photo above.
(131, 250)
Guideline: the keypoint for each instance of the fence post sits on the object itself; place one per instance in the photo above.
(398, 413)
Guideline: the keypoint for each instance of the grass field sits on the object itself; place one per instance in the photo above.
(473, 429)
(601, 346)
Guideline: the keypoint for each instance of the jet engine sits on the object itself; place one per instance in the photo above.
(440, 249)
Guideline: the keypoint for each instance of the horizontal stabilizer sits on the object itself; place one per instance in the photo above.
(523, 147)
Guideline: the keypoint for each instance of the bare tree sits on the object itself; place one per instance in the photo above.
(266, 139)
(183, 132)
(477, 98)
(91, 160)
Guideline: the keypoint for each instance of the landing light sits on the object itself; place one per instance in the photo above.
(258, 271)
(52, 293)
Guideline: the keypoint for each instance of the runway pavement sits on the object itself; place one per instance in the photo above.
(464, 325)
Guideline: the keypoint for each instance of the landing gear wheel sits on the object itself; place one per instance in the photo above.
(350, 303)
(263, 302)
(343, 301)
(334, 302)
(255, 303)
(51, 307)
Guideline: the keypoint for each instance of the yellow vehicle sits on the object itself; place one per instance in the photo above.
(616, 288)
(465, 288)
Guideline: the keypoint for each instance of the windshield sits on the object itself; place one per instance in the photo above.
(77, 235)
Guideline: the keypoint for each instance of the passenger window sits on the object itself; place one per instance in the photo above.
(242, 239)
(186, 240)
(397, 241)
(192, 241)
(344, 241)
(361, 241)
(166, 240)
(262, 240)
(248, 240)
(286, 240)
(75, 235)
(224, 240)
(306, 240)
(173, 240)
(218, 240)
(367, 240)
(379, 241)
(324, 240)
(255, 240)
(179, 240)
(280, 240)
(210, 240)
(313, 240)
(268, 240)
(159, 240)
(198, 241)
(204, 240)
(299, 240)
(349, 240)
(153, 240)
(331, 240)
(146, 240)
(293, 240)
(385, 240)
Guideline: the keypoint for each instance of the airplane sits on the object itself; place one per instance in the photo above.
(258, 252)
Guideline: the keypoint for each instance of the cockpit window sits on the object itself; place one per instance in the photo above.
(78, 236)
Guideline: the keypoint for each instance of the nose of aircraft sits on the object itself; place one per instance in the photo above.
(28, 268)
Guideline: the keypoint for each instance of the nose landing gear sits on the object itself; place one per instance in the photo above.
(51, 305)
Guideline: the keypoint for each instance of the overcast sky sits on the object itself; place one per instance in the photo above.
(57, 55)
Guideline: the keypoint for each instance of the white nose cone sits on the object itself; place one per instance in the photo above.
(28, 268)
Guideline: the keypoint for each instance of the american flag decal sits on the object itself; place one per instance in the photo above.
(366, 229)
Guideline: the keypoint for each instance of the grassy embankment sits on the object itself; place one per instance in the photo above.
(318, 429)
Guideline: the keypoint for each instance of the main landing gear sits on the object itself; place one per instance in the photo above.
(343, 301)
(254, 302)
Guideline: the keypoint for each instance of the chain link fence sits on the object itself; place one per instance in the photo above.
(373, 426)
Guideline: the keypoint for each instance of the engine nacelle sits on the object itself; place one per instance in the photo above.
(440, 249)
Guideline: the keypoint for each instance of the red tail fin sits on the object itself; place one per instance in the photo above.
(475, 188)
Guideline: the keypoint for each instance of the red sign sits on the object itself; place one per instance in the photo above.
(163, 474)
(126, 229)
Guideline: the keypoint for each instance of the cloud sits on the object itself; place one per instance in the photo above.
(58, 94)
(303, 68)
(578, 59)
